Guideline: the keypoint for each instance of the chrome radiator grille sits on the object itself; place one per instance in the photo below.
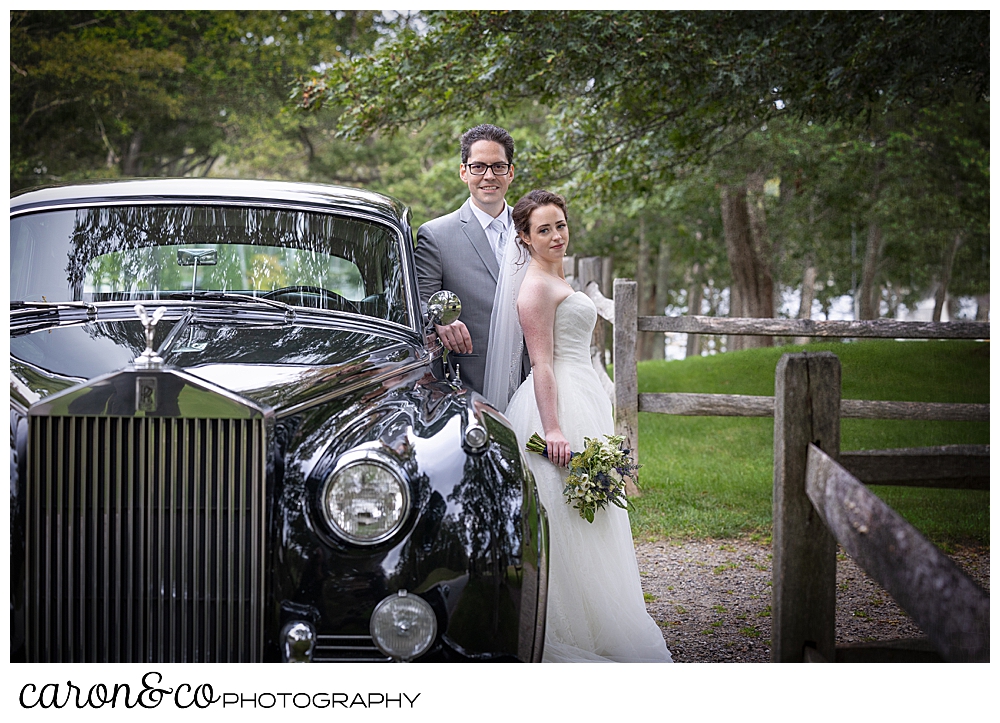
(145, 539)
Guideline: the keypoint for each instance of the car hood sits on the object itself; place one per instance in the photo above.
(280, 365)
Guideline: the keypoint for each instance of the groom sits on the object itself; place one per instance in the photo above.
(461, 251)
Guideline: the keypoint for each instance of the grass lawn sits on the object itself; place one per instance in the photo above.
(712, 476)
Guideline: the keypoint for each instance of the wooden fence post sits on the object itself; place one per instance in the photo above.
(626, 382)
(569, 267)
(804, 565)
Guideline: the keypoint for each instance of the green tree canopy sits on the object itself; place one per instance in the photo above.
(638, 94)
(164, 92)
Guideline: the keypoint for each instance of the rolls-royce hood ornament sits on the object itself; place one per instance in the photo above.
(148, 359)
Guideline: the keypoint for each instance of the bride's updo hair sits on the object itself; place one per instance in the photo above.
(526, 205)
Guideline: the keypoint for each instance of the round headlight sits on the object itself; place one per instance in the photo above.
(403, 626)
(365, 501)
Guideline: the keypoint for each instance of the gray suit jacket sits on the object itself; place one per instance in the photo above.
(453, 253)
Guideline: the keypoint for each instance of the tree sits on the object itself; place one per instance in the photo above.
(110, 93)
(638, 99)
(939, 197)
(636, 95)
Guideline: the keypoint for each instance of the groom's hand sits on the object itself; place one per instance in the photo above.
(455, 337)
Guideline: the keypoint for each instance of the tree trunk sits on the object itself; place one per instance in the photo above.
(954, 305)
(941, 293)
(868, 299)
(806, 297)
(695, 291)
(659, 340)
(983, 307)
(644, 290)
(868, 296)
(763, 247)
(130, 164)
(752, 290)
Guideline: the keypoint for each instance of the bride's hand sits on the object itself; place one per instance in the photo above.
(557, 447)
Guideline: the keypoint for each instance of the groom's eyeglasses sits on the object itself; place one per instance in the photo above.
(479, 169)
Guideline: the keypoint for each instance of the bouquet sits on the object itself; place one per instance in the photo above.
(597, 475)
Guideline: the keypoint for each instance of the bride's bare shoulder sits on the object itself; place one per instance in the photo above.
(540, 290)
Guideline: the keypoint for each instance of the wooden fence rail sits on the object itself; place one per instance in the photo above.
(819, 503)
(952, 466)
(738, 405)
(622, 312)
(819, 495)
(875, 329)
(951, 610)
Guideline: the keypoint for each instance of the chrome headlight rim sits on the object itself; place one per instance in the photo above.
(365, 457)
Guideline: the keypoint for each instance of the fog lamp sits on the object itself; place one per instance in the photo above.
(403, 626)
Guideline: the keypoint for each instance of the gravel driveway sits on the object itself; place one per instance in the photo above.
(712, 598)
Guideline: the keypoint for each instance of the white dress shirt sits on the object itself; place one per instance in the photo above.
(497, 238)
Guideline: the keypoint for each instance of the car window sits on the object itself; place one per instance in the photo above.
(150, 253)
(242, 268)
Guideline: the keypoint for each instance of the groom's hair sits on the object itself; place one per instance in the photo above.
(526, 205)
(487, 132)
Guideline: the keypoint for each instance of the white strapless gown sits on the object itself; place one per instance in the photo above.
(596, 612)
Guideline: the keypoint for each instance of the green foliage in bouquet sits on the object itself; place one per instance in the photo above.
(597, 475)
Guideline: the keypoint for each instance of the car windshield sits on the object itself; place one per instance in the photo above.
(151, 253)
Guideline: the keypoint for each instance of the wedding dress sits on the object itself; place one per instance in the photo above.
(596, 612)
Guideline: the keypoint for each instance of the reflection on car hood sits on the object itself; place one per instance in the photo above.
(278, 365)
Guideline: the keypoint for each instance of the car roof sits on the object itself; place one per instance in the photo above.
(171, 190)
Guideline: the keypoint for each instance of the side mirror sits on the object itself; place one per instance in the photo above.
(443, 308)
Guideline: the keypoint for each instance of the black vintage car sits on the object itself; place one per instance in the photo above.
(227, 443)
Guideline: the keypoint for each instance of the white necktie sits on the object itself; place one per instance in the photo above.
(498, 227)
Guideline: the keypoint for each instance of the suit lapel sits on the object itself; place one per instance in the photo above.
(477, 237)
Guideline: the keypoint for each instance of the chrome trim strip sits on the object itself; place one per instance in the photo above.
(100, 484)
(241, 568)
(71, 535)
(541, 612)
(213, 511)
(175, 517)
(60, 445)
(119, 496)
(185, 457)
(348, 388)
(196, 552)
(130, 541)
(161, 459)
(258, 535)
(144, 544)
(233, 553)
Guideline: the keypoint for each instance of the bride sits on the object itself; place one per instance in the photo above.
(596, 612)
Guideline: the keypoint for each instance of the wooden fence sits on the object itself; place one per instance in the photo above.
(820, 498)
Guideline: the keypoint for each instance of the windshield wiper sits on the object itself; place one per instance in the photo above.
(227, 296)
(50, 304)
(56, 305)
